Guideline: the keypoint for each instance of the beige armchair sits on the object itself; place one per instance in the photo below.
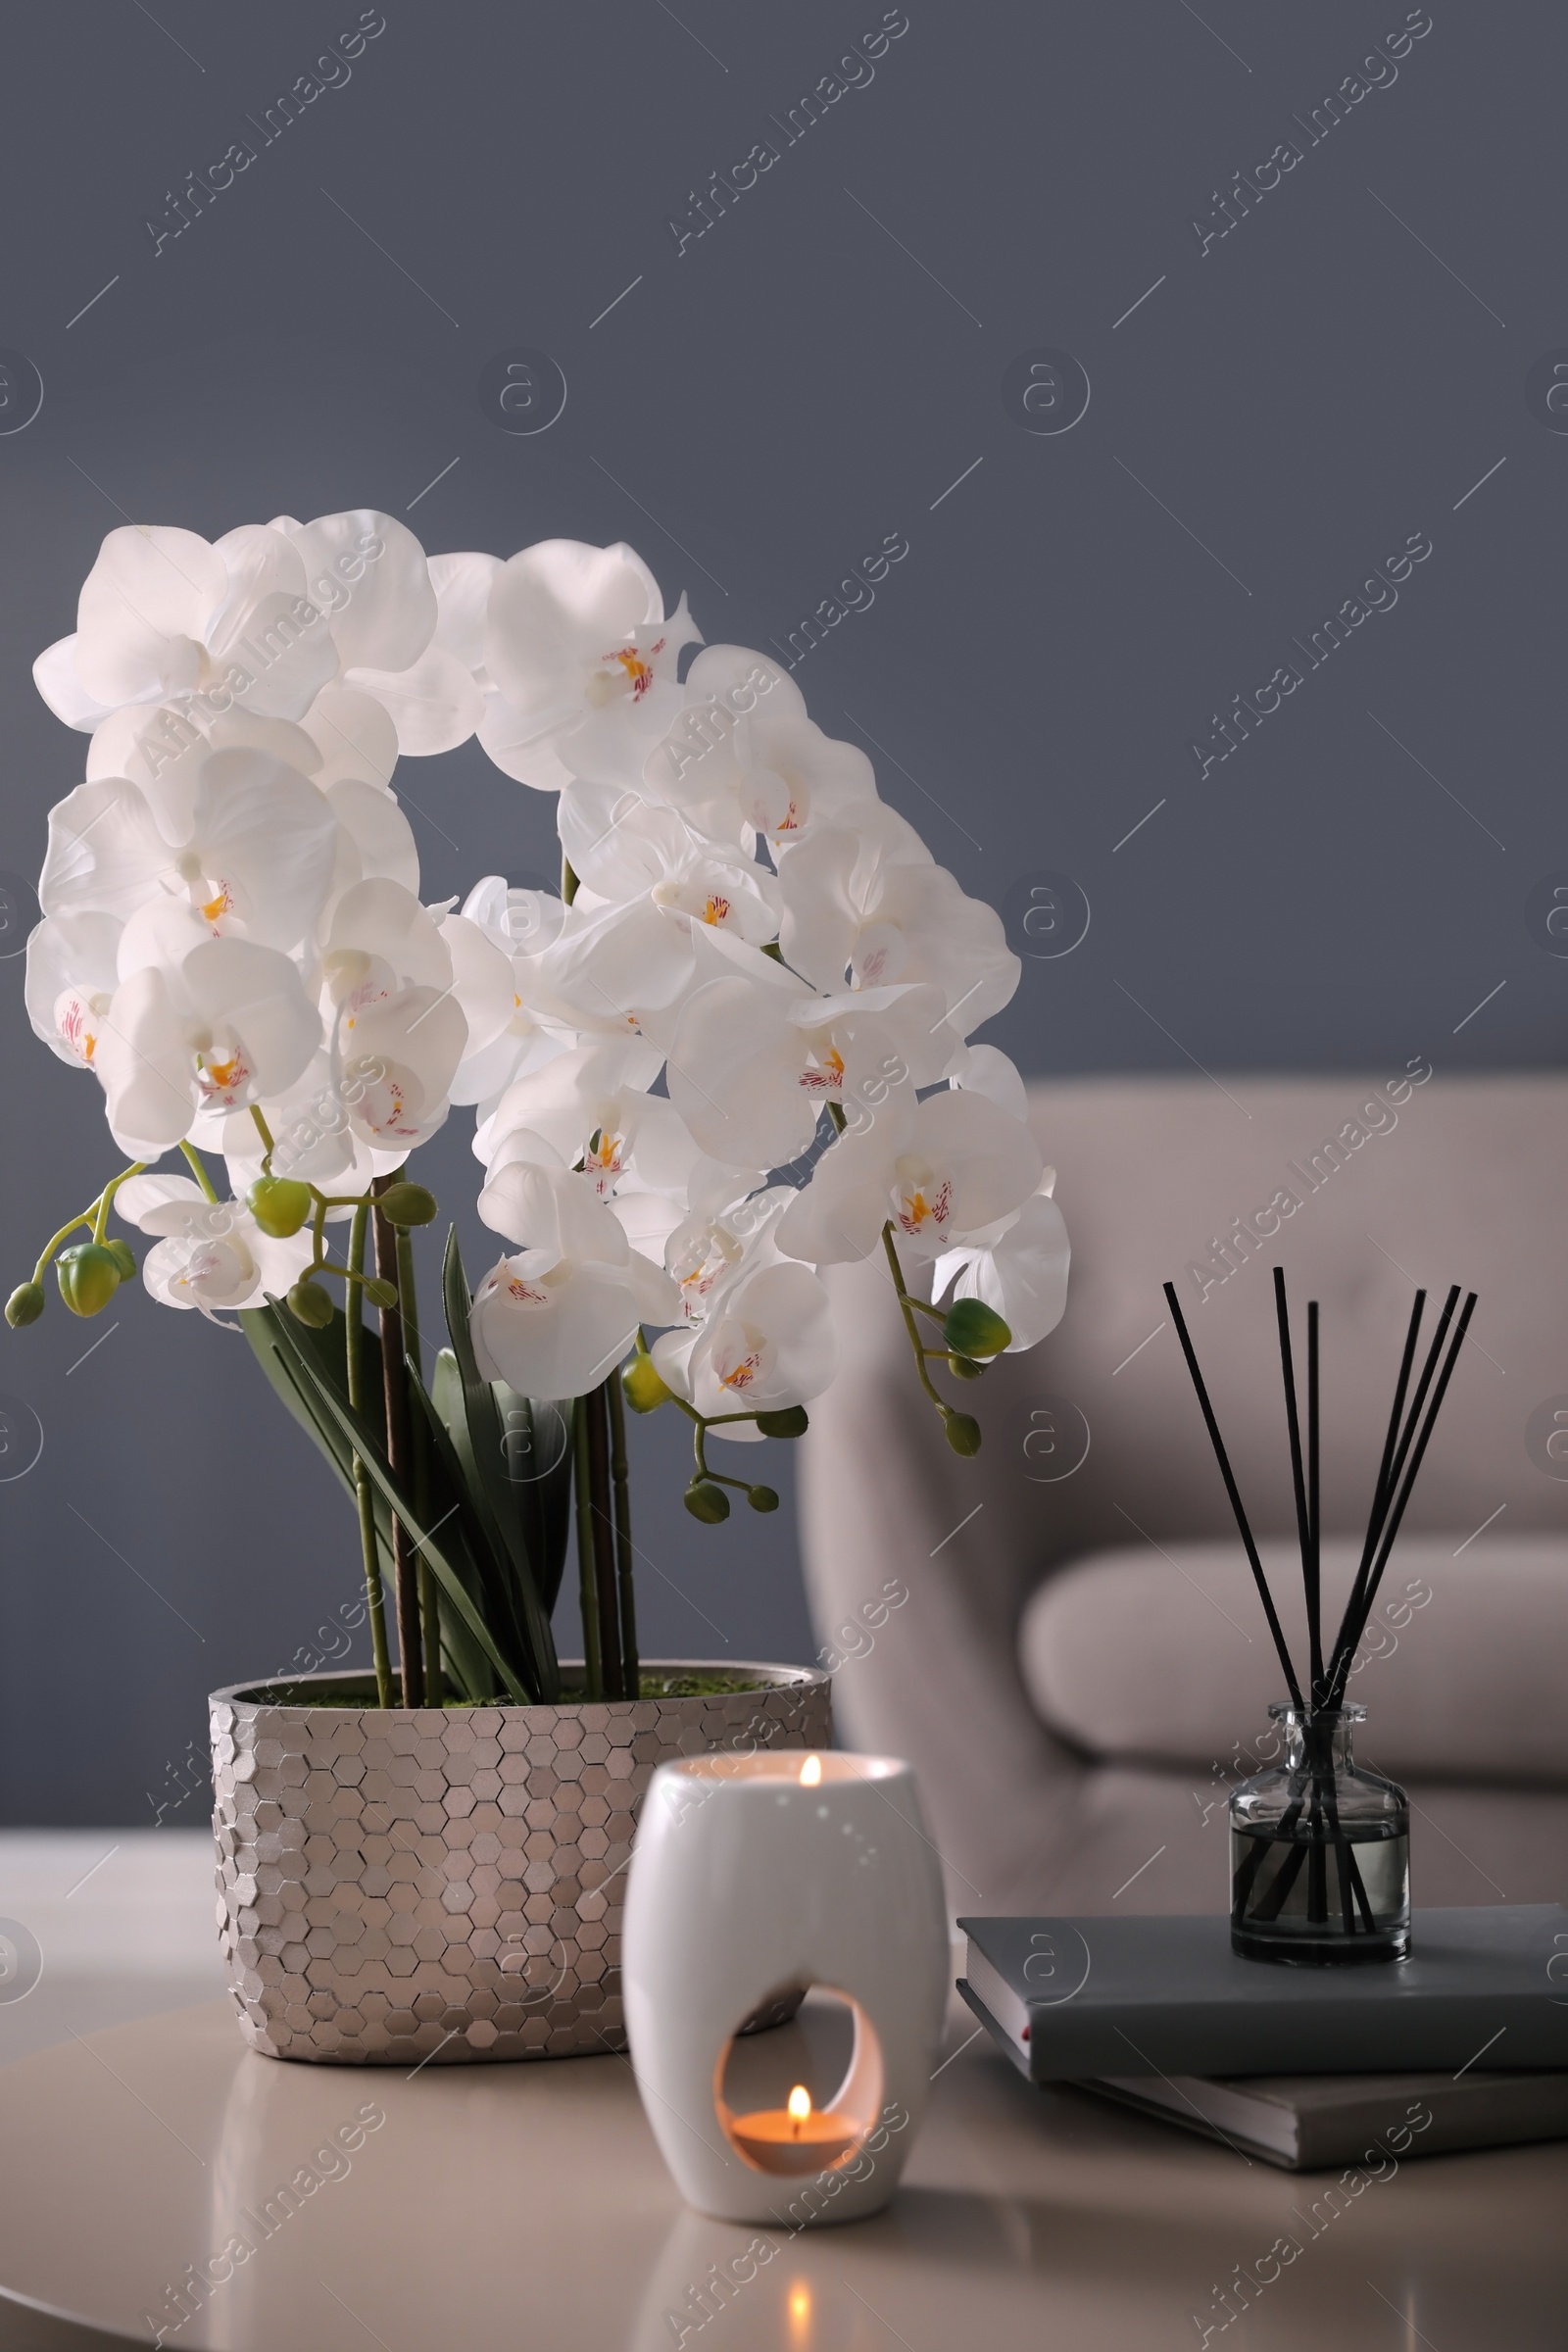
(1063, 1635)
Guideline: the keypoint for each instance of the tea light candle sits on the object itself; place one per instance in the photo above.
(796, 2139)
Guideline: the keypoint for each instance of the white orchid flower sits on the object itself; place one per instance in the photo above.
(315, 1139)
(987, 1070)
(520, 923)
(73, 972)
(353, 735)
(399, 1028)
(756, 1055)
(163, 746)
(872, 902)
(228, 1027)
(724, 1238)
(366, 574)
(209, 1255)
(765, 769)
(256, 863)
(629, 954)
(556, 1318)
(623, 851)
(463, 585)
(944, 1172)
(592, 1107)
(1022, 1275)
(162, 613)
(767, 1345)
(582, 664)
(383, 619)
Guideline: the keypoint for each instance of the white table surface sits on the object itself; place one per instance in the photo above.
(526, 2206)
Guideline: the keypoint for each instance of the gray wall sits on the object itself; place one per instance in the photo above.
(1289, 405)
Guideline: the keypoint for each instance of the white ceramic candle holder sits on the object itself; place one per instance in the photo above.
(751, 1877)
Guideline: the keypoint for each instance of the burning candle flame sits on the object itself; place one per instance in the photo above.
(811, 1772)
(799, 2103)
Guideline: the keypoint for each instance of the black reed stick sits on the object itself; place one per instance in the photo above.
(1315, 1581)
(1386, 1546)
(1245, 1533)
(1304, 1524)
(1380, 1490)
(1383, 1499)
(1403, 1385)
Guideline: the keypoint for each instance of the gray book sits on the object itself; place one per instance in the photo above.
(1079, 1999)
(1303, 2122)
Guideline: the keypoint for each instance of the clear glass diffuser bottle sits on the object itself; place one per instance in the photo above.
(1320, 1851)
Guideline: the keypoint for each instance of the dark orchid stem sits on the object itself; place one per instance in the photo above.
(602, 1522)
(354, 1374)
(400, 1459)
(1356, 1606)
(1387, 1547)
(1244, 1531)
(587, 1564)
(1314, 1512)
(1293, 1422)
(619, 1477)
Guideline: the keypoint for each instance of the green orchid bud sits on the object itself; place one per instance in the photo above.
(379, 1292)
(792, 1422)
(642, 1387)
(406, 1204)
(123, 1257)
(25, 1304)
(279, 1204)
(310, 1304)
(974, 1329)
(963, 1433)
(965, 1367)
(707, 1502)
(761, 1499)
(88, 1277)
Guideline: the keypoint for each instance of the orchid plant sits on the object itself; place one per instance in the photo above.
(733, 1050)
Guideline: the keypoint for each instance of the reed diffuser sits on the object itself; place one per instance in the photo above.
(1320, 1845)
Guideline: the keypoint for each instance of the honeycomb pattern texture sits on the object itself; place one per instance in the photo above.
(447, 1883)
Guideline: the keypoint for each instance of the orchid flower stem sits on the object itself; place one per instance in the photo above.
(376, 1599)
(64, 1235)
(587, 1586)
(630, 1664)
(905, 1304)
(328, 1265)
(429, 1605)
(400, 1457)
(318, 1238)
(199, 1171)
(95, 1216)
(106, 1197)
(266, 1134)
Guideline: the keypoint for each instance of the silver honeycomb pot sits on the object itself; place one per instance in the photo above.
(404, 1884)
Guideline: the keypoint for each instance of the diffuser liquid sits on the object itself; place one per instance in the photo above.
(1320, 1852)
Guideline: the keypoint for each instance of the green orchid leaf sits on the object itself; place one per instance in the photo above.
(443, 1555)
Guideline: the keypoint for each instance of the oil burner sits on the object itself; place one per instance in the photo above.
(763, 1876)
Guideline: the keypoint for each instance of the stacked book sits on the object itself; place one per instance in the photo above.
(1463, 2045)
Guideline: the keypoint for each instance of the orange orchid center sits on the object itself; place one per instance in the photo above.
(638, 672)
(917, 1212)
(827, 1076)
